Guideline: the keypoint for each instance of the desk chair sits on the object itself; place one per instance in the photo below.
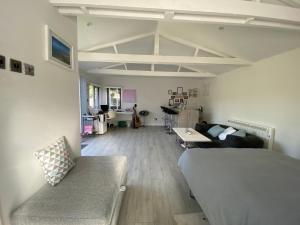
(111, 115)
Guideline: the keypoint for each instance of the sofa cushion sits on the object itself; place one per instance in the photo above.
(87, 195)
(215, 130)
(227, 131)
(250, 141)
(55, 160)
(240, 133)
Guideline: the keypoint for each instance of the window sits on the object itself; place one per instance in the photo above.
(114, 98)
(94, 96)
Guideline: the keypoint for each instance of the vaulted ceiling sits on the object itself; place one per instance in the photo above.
(149, 47)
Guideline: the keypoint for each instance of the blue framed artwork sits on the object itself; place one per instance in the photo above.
(58, 50)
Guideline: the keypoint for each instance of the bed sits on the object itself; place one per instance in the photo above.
(244, 186)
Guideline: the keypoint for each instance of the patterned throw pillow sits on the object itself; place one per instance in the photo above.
(56, 161)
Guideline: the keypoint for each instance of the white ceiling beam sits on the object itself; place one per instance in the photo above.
(111, 66)
(179, 67)
(114, 43)
(157, 59)
(117, 52)
(193, 45)
(196, 52)
(149, 73)
(234, 8)
(290, 3)
(192, 69)
(84, 10)
(156, 46)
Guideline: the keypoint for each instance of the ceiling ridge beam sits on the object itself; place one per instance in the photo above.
(193, 45)
(233, 8)
(158, 59)
(148, 73)
(114, 43)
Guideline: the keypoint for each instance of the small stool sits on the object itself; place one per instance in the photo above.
(143, 114)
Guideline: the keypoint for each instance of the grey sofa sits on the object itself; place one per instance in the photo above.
(91, 194)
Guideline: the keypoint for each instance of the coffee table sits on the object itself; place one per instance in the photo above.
(189, 135)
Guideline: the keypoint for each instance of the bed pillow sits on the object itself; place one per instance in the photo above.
(240, 133)
(215, 130)
(56, 161)
(226, 132)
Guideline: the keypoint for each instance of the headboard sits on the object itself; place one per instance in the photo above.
(265, 132)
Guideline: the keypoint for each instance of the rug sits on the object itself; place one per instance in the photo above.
(191, 219)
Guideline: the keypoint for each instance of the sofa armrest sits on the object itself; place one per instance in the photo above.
(250, 141)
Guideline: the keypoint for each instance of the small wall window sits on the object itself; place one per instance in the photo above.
(114, 97)
(94, 96)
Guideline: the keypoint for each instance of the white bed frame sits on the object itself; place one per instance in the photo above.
(265, 132)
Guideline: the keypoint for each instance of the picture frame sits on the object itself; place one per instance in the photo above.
(174, 93)
(170, 92)
(57, 50)
(171, 102)
(177, 100)
(173, 97)
(29, 69)
(15, 66)
(2, 62)
(179, 90)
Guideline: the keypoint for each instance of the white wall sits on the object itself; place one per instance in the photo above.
(34, 110)
(267, 92)
(152, 92)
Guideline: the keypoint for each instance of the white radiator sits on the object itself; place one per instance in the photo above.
(265, 132)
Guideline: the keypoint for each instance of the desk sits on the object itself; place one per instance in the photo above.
(125, 116)
(123, 113)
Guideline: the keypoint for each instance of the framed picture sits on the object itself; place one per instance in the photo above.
(29, 69)
(179, 90)
(58, 50)
(15, 66)
(170, 92)
(173, 96)
(177, 100)
(184, 93)
(171, 102)
(186, 97)
(174, 93)
(2, 62)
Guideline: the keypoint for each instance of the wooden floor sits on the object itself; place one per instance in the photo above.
(156, 188)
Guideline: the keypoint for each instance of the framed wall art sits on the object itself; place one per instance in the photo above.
(58, 50)
(2, 62)
(15, 66)
(29, 69)
(179, 90)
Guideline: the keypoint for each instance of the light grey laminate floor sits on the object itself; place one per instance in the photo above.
(156, 189)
